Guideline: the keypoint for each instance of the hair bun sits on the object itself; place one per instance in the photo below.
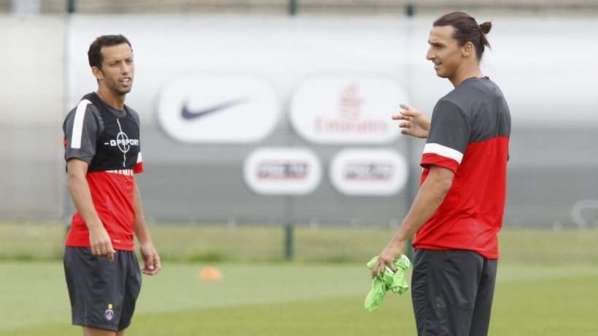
(485, 27)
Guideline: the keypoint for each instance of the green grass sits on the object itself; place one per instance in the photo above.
(548, 283)
(296, 299)
(188, 243)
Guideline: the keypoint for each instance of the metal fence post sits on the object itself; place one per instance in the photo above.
(412, 181)
(410, 10)
(293, 7)
(71, 6)
(289, 241)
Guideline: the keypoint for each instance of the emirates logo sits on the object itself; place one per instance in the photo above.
(350, 102)
(350, 118)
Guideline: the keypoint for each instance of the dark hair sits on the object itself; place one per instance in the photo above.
(467, 30)
(94, 54)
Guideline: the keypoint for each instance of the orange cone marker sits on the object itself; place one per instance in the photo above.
(210, 273)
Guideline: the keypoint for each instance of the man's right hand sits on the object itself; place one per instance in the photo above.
(100, 241)
(413, 122)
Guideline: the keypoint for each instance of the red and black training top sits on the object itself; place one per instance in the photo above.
(469, 135)
(108, 140)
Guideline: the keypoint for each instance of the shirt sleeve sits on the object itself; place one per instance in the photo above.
(81, 131)
(448, 138)
(138, 168)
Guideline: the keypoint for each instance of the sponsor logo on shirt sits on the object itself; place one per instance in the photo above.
(122, 142)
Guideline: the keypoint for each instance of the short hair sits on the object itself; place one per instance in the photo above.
(467, 30)
(94, 54)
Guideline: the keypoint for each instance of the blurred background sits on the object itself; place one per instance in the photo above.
(301, 162)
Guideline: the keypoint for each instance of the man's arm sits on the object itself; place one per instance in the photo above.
(429, 197)
(79, 190)
(151, 259)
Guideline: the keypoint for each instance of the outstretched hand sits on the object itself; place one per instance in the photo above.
(412, 122)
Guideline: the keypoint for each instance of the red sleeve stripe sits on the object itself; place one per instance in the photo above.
(431, 159)
(447, 152)
(138, 169)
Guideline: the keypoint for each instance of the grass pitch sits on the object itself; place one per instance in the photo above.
(547, 284)
(295, 299)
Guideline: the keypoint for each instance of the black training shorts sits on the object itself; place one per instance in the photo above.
(102, 292)
(452, 292)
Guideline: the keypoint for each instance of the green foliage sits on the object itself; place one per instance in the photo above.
(328, 244)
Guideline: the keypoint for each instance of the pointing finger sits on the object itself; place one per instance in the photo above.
(409, 113)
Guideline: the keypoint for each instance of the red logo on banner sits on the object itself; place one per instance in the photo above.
(350, 116)
(350, 103)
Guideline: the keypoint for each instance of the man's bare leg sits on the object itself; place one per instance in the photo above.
(87, 331)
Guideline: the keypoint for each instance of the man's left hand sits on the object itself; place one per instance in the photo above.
(151, 259)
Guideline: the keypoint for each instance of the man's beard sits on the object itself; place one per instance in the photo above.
(121, 91)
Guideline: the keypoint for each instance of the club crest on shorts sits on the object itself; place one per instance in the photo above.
(109, 313)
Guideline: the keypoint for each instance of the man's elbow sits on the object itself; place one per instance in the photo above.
(74, 178)
(442, 180)
(444, 186)
(71, 180)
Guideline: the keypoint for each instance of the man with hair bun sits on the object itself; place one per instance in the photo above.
(458, 210)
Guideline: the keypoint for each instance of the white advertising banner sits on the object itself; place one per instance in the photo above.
(282, 171)
(338, 110)
(218, 109)
(369, 172)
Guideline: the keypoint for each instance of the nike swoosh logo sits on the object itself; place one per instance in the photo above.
(189, 114)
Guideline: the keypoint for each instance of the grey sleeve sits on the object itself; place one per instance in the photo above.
(81, 131)
(449, 127)
(137, 119)
(135, 116)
